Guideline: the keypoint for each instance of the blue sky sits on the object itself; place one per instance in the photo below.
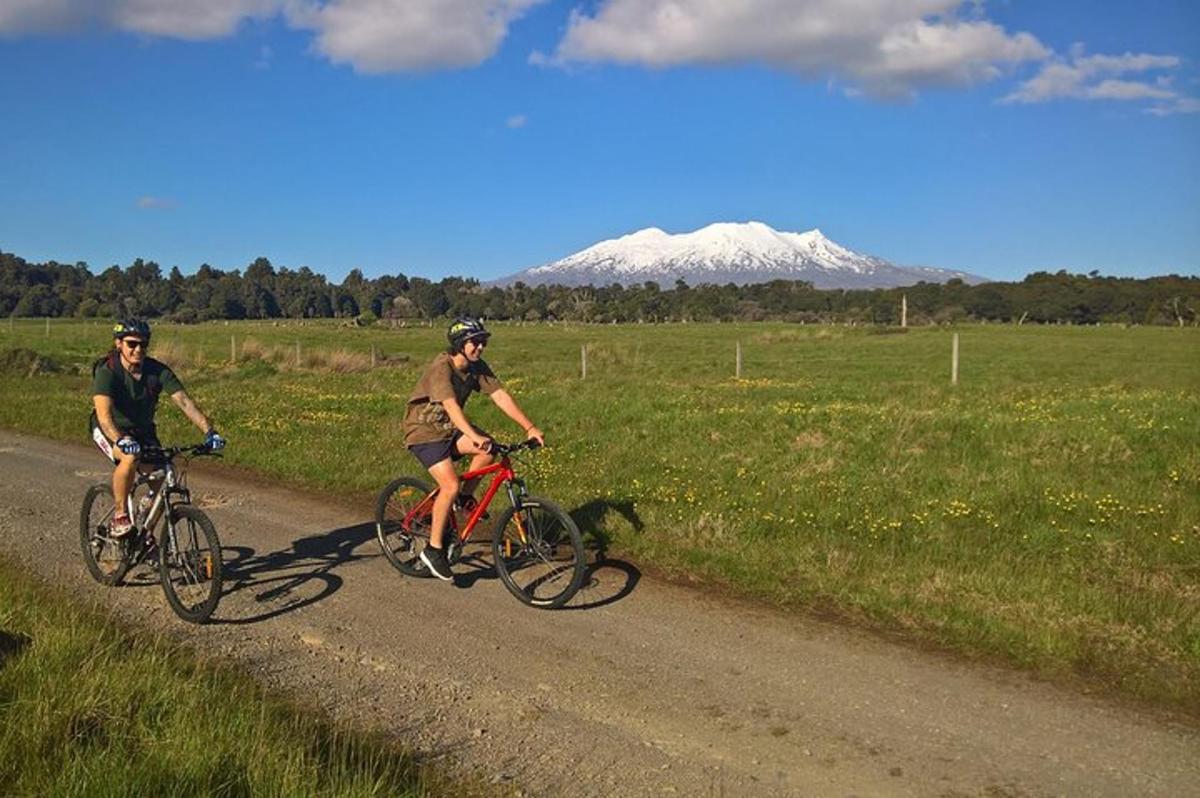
(480, 137)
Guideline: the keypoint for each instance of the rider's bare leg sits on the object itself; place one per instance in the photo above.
(448, 483)
(122, 479)
(478, 461)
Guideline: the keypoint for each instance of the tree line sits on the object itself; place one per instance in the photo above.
(262, 291)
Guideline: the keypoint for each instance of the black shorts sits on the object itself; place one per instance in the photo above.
(145, 437)
(430, 454)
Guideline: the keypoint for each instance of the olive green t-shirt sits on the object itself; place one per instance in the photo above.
(135, 400)
(425, 420)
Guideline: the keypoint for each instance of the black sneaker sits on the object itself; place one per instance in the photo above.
(435, 560)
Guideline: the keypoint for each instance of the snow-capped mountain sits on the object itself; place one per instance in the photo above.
(725, 252)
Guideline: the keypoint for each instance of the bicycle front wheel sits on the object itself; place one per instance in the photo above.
(106, 558)
(190, 566)
(539, 553)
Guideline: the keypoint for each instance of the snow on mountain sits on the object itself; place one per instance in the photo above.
(727, 252)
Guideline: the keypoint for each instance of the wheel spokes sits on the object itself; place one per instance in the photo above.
(190, 564)
(534, 554)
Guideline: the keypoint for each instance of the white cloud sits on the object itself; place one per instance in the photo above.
(37, 16)
(884, 47)
(188, 19)
(1098, 77)
(1179, 105)
(151, 203)
(402, 35)
(181, 19)
(369, 35)
(516, 121)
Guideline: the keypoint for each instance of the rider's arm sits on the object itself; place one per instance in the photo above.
(104, 416)
(194, 414)
(505, 402)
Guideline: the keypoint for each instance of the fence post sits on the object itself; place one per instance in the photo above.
(954, 361)
(583, 362)
(232, 349)
(297, 353)
(904, 310)
(47, 326)
(737, 367)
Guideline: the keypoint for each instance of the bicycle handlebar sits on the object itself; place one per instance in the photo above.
(168, 453)
(512, 448)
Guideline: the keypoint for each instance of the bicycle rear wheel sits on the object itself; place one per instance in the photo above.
(539, 553)
(403, 533)
(106, 558)
(190, 570)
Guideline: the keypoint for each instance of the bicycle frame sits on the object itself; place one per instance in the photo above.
(504, 474)
(171, 483)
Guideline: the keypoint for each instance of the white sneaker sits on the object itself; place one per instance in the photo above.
(120, 526)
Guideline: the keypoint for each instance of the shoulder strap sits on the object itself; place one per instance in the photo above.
(153, 377)
(110, 359)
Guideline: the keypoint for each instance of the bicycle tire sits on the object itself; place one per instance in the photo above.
(403, 547)
(545, 566)
(93, 526)
(194, 567)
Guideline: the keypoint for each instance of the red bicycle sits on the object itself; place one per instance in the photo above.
(538, 550)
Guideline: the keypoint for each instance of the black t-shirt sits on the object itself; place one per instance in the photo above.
(134, 400)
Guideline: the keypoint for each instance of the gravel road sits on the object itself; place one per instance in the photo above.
(640, 689)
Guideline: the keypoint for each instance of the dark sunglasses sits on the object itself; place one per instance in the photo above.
(134, 344)
(478, 342)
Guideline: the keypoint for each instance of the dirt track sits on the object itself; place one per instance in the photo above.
(642, 689)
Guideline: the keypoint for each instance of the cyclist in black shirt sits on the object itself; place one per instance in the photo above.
(126, 384)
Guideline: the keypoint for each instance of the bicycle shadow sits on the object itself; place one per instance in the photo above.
(475, 564)
(292, 578)
(606, 580)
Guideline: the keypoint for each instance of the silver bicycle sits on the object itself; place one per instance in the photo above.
(168, 532)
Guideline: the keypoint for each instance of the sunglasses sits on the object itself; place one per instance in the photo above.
(135, 344)
(478, 343)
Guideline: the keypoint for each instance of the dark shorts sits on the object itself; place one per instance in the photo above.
(144, 437)
(430, 454)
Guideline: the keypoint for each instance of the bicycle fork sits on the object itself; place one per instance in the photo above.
(516, 497)
(200, 566)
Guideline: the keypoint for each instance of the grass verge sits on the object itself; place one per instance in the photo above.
(90, 708)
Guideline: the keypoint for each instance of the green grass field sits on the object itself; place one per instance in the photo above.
(90, 709)
(1046, 510)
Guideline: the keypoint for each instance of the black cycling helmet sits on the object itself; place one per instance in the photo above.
(128, 327)
(463, 329)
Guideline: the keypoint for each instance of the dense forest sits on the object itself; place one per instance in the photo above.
(263, 292)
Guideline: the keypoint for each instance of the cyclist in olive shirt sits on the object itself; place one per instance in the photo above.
(438, 433)
(126, 384)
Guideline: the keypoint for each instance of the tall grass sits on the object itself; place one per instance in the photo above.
(88, 708)
(251, 351)
(1046, 510)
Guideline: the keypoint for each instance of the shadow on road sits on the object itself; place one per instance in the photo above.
(304, 573)
(295, 577)
(607, 580)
